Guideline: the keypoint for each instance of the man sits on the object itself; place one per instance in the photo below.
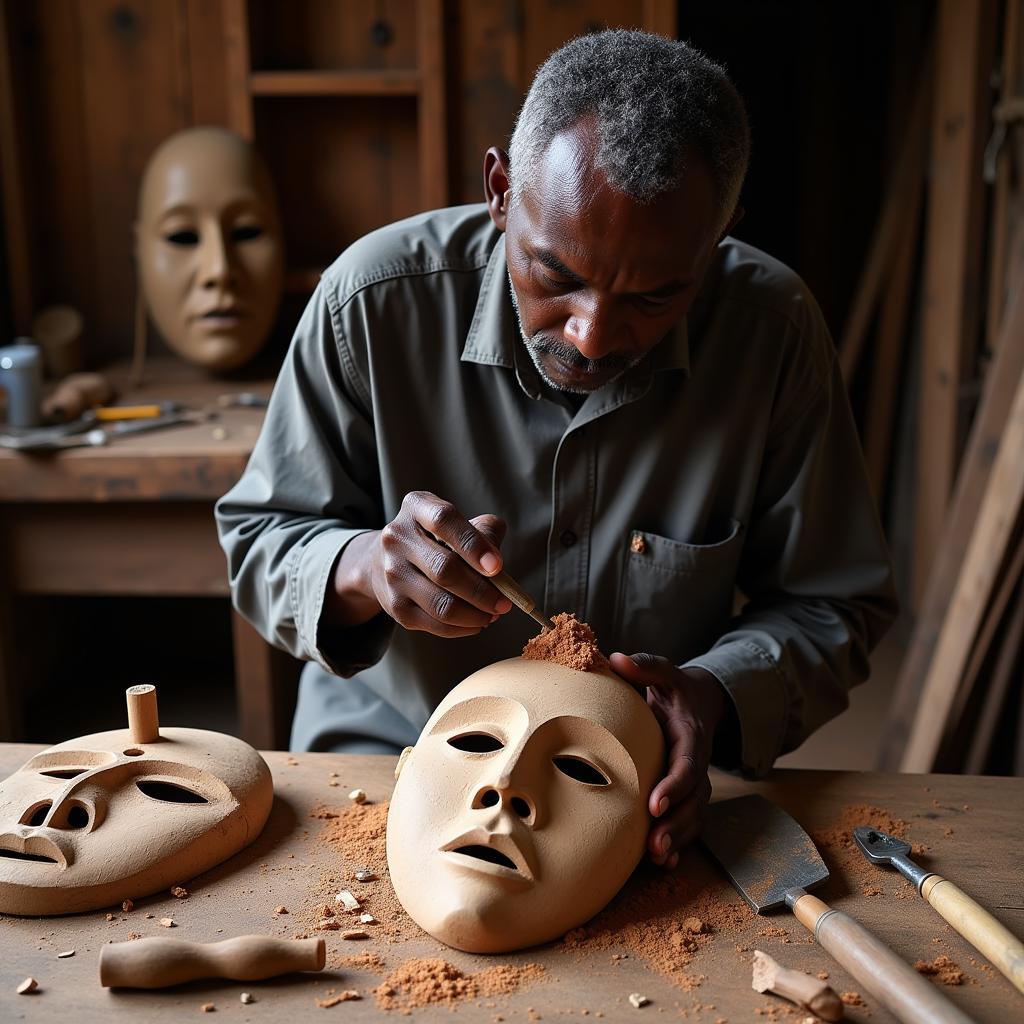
(588, 383)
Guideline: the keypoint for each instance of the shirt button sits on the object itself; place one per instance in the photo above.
(638, 545)
(568, 538)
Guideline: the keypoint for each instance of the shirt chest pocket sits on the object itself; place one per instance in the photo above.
(675, 599)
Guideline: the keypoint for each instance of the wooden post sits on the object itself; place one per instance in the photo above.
(236, 66)
(431, 126)
(964, 49)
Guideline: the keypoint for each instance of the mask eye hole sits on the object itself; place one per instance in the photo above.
(580, 770)
(246, 232)
(184, 237)
(63, 773)
(37, 815)
(476, 743)
(169, 793)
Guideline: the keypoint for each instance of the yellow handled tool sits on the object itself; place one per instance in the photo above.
(996, 943)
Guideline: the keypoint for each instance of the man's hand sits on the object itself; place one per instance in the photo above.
(421, 583)
(689, 704)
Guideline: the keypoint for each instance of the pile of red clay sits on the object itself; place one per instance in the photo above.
(571, 643)
(423, 981)
(942, 969)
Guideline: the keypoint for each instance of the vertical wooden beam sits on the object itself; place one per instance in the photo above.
(661, 16)
(964, 45)
(237, 67)
(15, 198)
(430, 119)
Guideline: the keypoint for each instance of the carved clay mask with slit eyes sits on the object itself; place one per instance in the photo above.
(100, 819)
(208, 247)
(522, 809)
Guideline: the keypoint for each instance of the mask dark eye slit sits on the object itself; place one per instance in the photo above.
(476, 743)
(63, 773)
(581, 771)
(183, 237)
(169, 793)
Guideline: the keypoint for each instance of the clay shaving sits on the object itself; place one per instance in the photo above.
(571, 643)
(420, 982)
(942, 969)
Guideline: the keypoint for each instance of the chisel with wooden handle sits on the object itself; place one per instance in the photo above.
(996, 943)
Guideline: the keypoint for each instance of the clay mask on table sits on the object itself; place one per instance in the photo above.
(208, 247)
(522, 809)
(122, 814)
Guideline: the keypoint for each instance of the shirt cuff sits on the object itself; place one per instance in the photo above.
(757, 689)
(347, 651)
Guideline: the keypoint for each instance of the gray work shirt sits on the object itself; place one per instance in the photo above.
(725, 460)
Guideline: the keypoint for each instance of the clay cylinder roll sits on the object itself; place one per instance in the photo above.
(143, 721)
(159, 962)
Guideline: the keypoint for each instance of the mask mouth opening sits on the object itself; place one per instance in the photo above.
(488, 854)
(22, 855)
(31, 849)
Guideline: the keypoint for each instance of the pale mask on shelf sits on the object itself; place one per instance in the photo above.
(522, 809)
(208, 247)
(96, 820)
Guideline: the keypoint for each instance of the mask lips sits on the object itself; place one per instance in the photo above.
(478, 847)
(35, 849)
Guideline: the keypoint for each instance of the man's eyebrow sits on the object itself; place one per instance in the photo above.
(552, 262)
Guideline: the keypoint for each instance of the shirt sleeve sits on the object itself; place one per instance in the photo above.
(815, 570)
(310, 486)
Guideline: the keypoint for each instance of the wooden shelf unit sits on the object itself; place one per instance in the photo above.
(343, 159)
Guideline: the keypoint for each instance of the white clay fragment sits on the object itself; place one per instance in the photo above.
(167, 922)
(280, 910)
(347, 900)
(365, 875)
(367, 919)
(246, 998)
(358, 796)
(65, 954)
(28, 985)
(355, 933)
(638, 1000)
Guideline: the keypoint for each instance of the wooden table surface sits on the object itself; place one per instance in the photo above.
(971, 828)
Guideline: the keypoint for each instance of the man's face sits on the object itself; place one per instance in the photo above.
(522, 809)
(597, 278)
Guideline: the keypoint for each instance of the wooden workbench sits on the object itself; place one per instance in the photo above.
(981, 853)
(135, 517)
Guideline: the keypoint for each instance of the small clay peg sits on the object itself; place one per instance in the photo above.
(807, 992)
(143, 721)
(159, 962)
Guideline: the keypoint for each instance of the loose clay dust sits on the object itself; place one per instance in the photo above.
(571, 643)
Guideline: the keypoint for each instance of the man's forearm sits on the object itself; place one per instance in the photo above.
(350, 599)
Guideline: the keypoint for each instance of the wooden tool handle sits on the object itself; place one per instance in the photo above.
(519, 597)
(895, 984)
(977, 926)
(158, 962)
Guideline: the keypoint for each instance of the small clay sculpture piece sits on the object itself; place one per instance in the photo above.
(107, 818)
(159, 962)
(28, 986)
(522, 809)
(636, 1000)
(807, 992)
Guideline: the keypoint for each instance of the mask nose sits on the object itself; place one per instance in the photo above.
(214, 260)
(517, 801)
(67, 815)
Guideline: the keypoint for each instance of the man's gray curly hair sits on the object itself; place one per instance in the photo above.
(655, 101)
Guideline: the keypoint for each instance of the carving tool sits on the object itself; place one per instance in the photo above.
(158, 962)
(973, 922)
(772, 862)
(520, 598)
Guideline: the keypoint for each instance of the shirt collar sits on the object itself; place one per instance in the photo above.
(494, 337)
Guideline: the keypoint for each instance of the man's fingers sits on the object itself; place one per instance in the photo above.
(493, 528)
(644, 669)
(441, 519)
(683, 777)
(672, 834)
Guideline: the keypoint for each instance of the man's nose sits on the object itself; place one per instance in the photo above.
(592, 327)
(214, 259)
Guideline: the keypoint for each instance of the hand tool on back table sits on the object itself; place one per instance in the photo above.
(973, 922)
(773, 862)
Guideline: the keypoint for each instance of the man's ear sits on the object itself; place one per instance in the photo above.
(737, 216)
(496, 185)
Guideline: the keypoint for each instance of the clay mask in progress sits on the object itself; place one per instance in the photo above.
(208, 247)
(522, 809)
(122, 814)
